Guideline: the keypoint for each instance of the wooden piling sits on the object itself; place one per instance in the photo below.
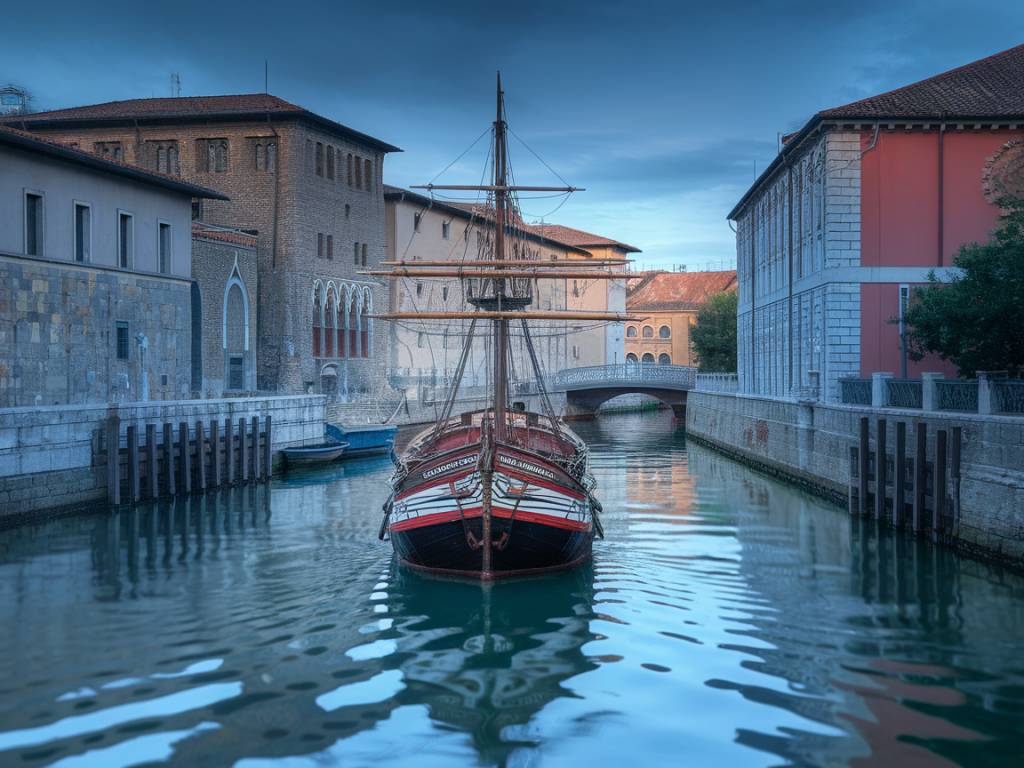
(151, 474)
(862, 506)
(186, 458)
(218, 474)
(939, 503)
(266, 450)
(900, 470)
(201, 455)
(920, 473)
(881, 470)
(169, 456)
(954, 474)
(229, 451)
(113, 439)
(256, 448)
(134, 490)
(243, 453)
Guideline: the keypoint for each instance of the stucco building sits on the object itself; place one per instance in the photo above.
(95, 277)
(669, 303)
(859, 205)
(309, 187)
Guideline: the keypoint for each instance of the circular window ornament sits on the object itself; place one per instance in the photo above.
(1003, 175)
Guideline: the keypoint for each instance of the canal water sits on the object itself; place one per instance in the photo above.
(727, 619)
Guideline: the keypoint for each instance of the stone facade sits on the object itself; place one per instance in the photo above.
(311, 189)
(225, 272)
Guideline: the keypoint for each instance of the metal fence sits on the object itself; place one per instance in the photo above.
(957, 395)
(718, 382)
(1007, 395)
(855, 391)
(904, 393)
(625, 374)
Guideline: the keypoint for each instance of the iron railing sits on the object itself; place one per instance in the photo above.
(904, 393)
(855, 391)
(957, 395)
(1007, 395)
(625, 374)
(718, 382)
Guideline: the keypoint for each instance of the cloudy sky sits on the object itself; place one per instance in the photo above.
(662, 110)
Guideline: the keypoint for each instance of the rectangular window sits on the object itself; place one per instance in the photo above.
(364, 254)
(446, 229)
(125, 240)
(122, 340)
(355, 254)
(359, 172)
(33, 224)
(235, 372)
(164, 248)
(319, 159)
(367, 176)
(330, 162)
(330, 246)
(319, 245)
(83, 233)
(212, 155)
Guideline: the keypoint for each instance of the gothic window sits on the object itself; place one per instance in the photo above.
(212, 156)
(329, 337)
(316, 322)
(364, 329)
(234, 340)
(367, 174)
(339, 327)
(109, 150)
(319, 159)
(353, 328)
(359, 173)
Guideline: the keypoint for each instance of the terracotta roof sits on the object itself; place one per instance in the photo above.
(186, 108)
(667, 291)
(984, 90)
(35, 143)
(233, 236)
(988, 88)
(578, 237)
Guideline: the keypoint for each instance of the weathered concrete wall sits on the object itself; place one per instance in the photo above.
(810, 443)
(51, 458)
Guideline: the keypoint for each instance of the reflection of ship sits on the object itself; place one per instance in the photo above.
(483, 658)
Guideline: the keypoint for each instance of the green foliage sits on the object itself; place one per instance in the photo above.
(973, 320)
(714, 335)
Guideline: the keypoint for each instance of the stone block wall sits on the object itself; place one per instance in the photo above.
(52, 459)
(810, 442)
(58, 337)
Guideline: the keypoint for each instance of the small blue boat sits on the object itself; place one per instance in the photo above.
(364, 440)
(314, 454)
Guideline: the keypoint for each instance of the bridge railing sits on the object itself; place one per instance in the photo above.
(626, 374)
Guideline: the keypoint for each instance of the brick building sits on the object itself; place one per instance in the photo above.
(669, 303)
(95, 277)
(859, 205)
(309, 187)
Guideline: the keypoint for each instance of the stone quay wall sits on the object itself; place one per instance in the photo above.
(51, 459)
(809, 443)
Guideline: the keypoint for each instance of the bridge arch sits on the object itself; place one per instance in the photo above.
(587, 388)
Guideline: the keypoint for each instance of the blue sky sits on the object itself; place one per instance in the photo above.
(662, 110)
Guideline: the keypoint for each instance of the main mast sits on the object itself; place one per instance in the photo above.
(500, 324)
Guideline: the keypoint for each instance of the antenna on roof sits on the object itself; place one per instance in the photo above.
(175, 84)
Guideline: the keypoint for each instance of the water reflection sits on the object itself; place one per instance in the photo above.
(727, 619)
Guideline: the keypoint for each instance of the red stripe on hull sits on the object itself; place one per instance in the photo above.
(500, 512)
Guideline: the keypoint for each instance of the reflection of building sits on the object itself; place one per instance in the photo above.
(224, 268)
(593, 344)
(95, 265)
(856, 209)
(669, 303)
(309, 187)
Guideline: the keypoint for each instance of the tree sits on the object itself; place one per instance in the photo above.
(973, 319)
(714, 335)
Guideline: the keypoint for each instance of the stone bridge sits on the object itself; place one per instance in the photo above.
(587, 388)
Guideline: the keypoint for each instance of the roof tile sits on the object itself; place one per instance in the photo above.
(668, 291)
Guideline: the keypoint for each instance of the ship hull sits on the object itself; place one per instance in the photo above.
(540, 518)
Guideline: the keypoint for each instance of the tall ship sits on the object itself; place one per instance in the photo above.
(501, 491)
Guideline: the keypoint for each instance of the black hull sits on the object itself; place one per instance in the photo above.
(528, 549)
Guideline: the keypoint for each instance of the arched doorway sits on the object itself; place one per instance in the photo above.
(664, 359)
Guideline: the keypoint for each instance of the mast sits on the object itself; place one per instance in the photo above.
(500, 323)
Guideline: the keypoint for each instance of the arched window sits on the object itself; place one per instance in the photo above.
(329, 326)
(364, 328)
(316, 322)
(664, 332)
(647, 358)
(235, 333)
(353, 328)
(173, 166)
(664, 359)
(339, 326)
(631, 332)
(359, 173)
(631, 358)
(368, 172)
(648, 332)
(364, 254)
(348, 165)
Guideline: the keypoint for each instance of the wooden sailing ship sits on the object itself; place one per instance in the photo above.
(499, 491)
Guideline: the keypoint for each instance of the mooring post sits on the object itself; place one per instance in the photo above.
(862, 507)
(218, 475)
(881, 470)
(151, 475)
(186, 458)
(266, 450)
(243, 452)
(920, 473)
(229, 451)
(201, 455)
(256, 448)
(169, 456)
(939, 508)
(114, 459)
(954, 474)
(133, 463)
(900, 470)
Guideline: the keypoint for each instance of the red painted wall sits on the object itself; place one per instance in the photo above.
(900, 221)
